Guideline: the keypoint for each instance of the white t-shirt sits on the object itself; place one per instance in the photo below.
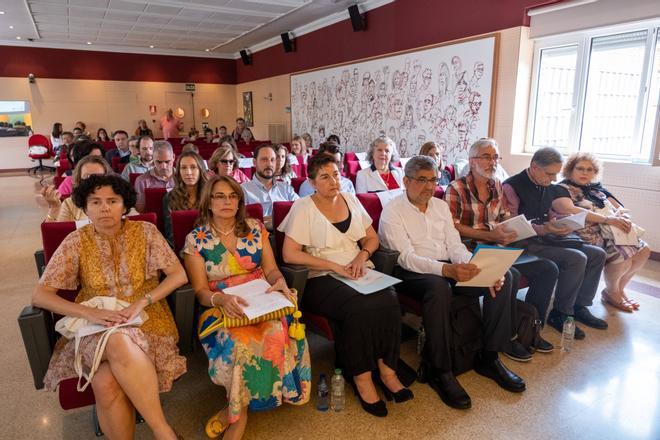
(307, 226)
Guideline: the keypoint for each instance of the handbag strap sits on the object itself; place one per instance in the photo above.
(96, 361)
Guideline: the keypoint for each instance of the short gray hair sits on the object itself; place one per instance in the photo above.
(475, 147)
(418, 163)
(380, 140)
(163, 146)
(547, 156)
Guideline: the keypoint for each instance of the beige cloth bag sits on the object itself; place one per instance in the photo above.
(73, 327)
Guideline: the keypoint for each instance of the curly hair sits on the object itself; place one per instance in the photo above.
(317, 162)
(119, 186)
(578, 157)
(98, 160)
(179, 198)
(205, 213)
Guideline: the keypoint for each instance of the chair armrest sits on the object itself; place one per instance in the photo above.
(295, 276)
(40, 261)
(38, 332)
(182, 303)
(384, 260)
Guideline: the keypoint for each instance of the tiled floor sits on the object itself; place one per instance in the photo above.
(607, 388)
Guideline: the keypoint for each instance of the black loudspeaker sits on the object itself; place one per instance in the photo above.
(287, 43)
(359, 21)
(247, 59)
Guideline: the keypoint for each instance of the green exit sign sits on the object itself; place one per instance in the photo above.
(190, 87)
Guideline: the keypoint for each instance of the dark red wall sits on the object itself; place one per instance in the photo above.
(81, 64)
(401, 25)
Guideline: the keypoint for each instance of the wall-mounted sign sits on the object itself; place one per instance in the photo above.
(190, 87)
(152, 109)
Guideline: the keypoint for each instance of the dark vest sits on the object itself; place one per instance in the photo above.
(535, 200)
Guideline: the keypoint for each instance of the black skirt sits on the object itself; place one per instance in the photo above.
(366, 327)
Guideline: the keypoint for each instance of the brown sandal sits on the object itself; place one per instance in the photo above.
(622, 305)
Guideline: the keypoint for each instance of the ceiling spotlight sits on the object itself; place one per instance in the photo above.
(11, 27)
(89, 42)
(207, 50)
(18, 38)
(151, 46)
(2, 12)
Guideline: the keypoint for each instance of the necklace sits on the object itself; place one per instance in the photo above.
(224, 233)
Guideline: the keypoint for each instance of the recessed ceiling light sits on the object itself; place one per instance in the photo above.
(89, 42)
(11, 27)
(207, 50)
(151, 46)
(2, 12)
(18, 38)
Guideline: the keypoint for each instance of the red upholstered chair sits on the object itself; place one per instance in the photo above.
(452, 171)
(108, 145)
(297, 182)
(37, 325)
(439, 192)
(153, 202)
(116, 163)
(301, 168)
(40, 149)
(63, 167)
(57, 181)
(371, 204)
(352, 169)
(351, 156)
(248, 171)
(132, 177)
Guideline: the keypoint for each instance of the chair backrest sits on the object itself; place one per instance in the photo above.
(153, 202)
(372, 205)
(352, 169)
(255, 210)
(280, 211)
(439, 192)
(296, 183)
(247, 171)
(40, 139)
(115, 163)
(351, 156)
(452, 171)
(108, 145)
(132, 177)
(57, 181)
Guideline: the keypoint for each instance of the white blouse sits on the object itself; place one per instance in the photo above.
(306, 225)
(369, 180)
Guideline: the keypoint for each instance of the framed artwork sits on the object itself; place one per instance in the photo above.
(443, 93)
(247, 109)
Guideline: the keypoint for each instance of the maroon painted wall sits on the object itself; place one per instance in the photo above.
(81, 64)
(401, 25)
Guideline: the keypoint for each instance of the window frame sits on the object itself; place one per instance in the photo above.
(583, 42)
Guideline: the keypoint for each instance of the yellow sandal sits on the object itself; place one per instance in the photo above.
(214, 427)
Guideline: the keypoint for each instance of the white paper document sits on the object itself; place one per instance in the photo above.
(386, 197)
(372, 281)
(97, 328)
(260, 302)
(621, 238)
(245, 162)
(520, 225)
(493, 261)
(572, 222)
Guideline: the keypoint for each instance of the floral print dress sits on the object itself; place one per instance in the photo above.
(258, 365)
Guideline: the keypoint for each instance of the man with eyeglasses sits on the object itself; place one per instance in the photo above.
(532, 193)
(262, 188)
(161, 175)
(477, 206)
(431, 259)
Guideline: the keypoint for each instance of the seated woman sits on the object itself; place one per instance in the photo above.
(79, 150)
(435, 152)
(138, 362)
(67, 211)
(323, 232)
(223, 162)
(227, 249)
(381, 176)
(102, 135)
(283, 171)
(581, 172)
(143, 129)
(189, 179)
(298, 148)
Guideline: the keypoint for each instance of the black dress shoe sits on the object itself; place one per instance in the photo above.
(403, 395)
(556, 320)
(378, 409)
(543, 346)
(450, 390)
(504, 377)
(583, 315)
(518, 352)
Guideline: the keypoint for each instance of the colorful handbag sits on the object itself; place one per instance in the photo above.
(296, 329)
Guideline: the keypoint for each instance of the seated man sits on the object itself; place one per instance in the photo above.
(241, 132)
(477, 205)
(532, 193)
(121, 141)
(262, 189)
(432, 258)
(331, 149)
(160, 176)
(146, 160)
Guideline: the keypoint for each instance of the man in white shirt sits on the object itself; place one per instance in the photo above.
(432, 258)
(146, 162)
(262, 189)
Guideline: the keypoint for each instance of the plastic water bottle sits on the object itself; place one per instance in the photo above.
(337, 397)
(567, 335)
(323, 395)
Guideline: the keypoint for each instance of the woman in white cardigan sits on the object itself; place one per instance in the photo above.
(381, 176)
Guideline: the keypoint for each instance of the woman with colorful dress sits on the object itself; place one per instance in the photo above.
(122, 259)
(606, 213)
(259, 366)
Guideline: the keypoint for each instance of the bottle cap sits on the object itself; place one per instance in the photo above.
(337, 370)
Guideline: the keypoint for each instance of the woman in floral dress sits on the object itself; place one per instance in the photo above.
(259, 365)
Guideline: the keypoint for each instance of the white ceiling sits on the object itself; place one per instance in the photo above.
(211, 28)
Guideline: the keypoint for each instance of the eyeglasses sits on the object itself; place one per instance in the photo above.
(585, 170)
(425, 181)
(227, 161)
(224, 197)
(488, 157)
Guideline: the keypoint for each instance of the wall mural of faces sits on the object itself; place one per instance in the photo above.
(441, 94)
